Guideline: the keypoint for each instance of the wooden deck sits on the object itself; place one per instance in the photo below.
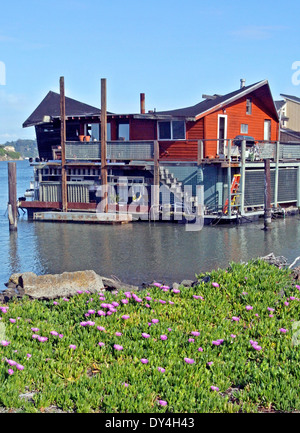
(83, 217)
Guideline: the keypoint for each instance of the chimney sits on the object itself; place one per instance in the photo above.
(243, 82)
(142, 96)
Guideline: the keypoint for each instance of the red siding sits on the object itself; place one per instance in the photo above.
(236, 115)
(142, 129)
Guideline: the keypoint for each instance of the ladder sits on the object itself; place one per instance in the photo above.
(233, 190)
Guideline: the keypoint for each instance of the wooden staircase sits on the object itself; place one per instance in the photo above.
(233, 192)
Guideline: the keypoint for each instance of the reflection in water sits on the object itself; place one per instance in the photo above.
(14, 258)
(142, 252)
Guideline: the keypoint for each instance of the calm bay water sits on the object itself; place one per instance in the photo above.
(135, 253)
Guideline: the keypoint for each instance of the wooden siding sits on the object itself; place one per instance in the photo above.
(143, 129)
(236, 115)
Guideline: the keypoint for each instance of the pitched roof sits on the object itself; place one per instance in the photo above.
(279, 104)
(50, 106)
(218, 101)
(291, 98)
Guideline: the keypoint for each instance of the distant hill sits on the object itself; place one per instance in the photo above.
(9, 154)
(26, 148)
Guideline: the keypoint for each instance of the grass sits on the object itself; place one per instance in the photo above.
(260, 375)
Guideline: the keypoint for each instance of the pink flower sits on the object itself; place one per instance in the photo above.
(144, 361)
(195, 333)
(171, 302)
(101, 313)
(115, 304)
(148, 298)
(191, 340)
(161, 369)
(90, 323)
(271, 309)
(12, 320)
(189, 360)
(244, 293)
(91, 311)
(286, 303)
(162, 402)
(72, 346)
(28, 355)
(35, 329)
(10, 371)
(271, 315)
(156, 284)
(209, 363)
(19, 367)
(55, 303)
(145, 335)
(232, 336)
(200, 349)
(176, 291)
(154, 320)
(118, 347)
(198, 297)
(124, 301)
(215, 284)
(297, 287)
(214, 388)
(236, 319)
(249, 307)
(125, 317)
(101, 344)
(163, 337)
(283, 330)
(54, 333)
(125, 384)
(118, 334)
(292, 298)
(162, 302)
(11, 362)
(42, 339)
(83, 323)
(79, 292)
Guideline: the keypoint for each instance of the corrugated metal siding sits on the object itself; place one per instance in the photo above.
(289, 151)
(254, 186)
(78, 192)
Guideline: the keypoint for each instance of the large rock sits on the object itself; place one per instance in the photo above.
(53, 286)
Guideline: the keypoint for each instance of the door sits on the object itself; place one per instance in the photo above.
(267, 130)
(222, 134)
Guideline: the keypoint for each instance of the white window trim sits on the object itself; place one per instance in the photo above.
(171, 139)
(225, 132)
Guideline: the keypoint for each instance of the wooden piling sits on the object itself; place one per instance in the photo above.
(12, 196)
(64, 187)
(103, 145)
(267, 196)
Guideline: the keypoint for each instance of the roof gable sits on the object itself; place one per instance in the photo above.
(209, 105)
(50, 106)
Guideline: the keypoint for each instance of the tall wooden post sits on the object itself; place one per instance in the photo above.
(243, 176)
(276, 174)
(199, 152)
(12, 196)
(155, 200)
(229, 178)
(103, 145)
(64, 188)
(267, 195)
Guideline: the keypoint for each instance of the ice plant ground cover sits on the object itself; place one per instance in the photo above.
(86, 354)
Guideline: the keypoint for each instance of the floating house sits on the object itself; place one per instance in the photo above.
(195, 155)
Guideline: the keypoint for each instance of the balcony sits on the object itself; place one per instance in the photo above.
(116, 150)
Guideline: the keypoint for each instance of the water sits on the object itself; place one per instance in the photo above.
(135, 253)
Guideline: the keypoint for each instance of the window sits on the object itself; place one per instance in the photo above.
(267, 130)
(249, 106)
(173, 130)
(244, 128)
(123, 131)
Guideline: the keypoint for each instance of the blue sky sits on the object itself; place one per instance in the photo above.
(173, 51)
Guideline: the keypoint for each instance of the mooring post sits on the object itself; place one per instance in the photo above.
(267, 201)
(229, 178)
(103, 146)
(12, 196)
(243, 176)
(64, 187)
(277, 149)
(155, 199)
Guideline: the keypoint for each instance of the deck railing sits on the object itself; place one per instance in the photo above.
(144, 150)
(116, 150)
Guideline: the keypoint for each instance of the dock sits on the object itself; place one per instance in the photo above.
(83, 217)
